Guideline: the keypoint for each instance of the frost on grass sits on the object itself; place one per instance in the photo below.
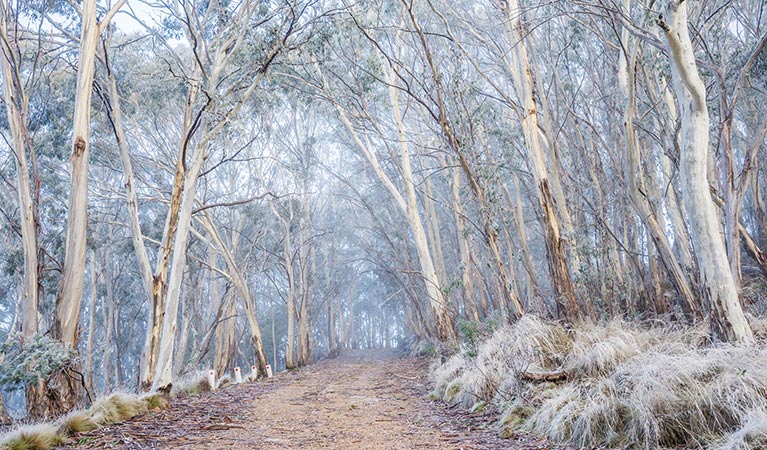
(752, 435)
(623, 386)
(530, 344)
(192, 384)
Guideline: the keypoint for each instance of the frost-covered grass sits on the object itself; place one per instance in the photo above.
(194, 383)
(114, 408)
(625, 385)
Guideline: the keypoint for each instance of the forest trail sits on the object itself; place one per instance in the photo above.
(366, 400)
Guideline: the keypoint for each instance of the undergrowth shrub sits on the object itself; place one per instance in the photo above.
(617, 385)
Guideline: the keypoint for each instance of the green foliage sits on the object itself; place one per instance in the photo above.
(471, 336)
(32, 360)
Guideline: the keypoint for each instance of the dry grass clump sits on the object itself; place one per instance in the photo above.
(115, 408)
(758, 325)
(42, 436)
(76, 422)
(624, 386)
(530, 344)
(752, 435)
(156, 401)
(192, 384)
(596, 350)
(444, 375)
(224, 381)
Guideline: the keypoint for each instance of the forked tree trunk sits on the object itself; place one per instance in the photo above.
(728, 322)
(158, 286)
(163, 375)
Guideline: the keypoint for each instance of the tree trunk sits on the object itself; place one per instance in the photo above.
(73, 272)
(107, 317)
(91, 328)
(517, 212)
(464, 249)
(728, 322)
(16, 106)
(523, 78)
(225, 336)
(163, 371)
(67, 383)
(634, 175)
(150, 353)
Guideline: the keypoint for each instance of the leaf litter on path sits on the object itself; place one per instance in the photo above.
(364, 400)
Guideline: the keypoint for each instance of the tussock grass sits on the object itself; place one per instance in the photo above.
(530, 344)
(33, 437)
(156, 401)
(76, 422)
(192, 384)
(224, 381)
(752, 435)
(114, 408)
(626, 386)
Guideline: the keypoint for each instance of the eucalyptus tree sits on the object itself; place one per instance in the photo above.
(728, 322)
(16, 98)
(375, 130)
(73, 270)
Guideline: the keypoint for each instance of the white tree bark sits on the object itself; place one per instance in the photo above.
(164, 369)
(73, 272)
(239, 281)
(728, 322)
(16, 105)
(634, 174)
(521, 70)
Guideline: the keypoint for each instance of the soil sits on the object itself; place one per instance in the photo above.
(363, 400)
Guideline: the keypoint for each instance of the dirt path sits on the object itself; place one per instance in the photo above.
(368, 400)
